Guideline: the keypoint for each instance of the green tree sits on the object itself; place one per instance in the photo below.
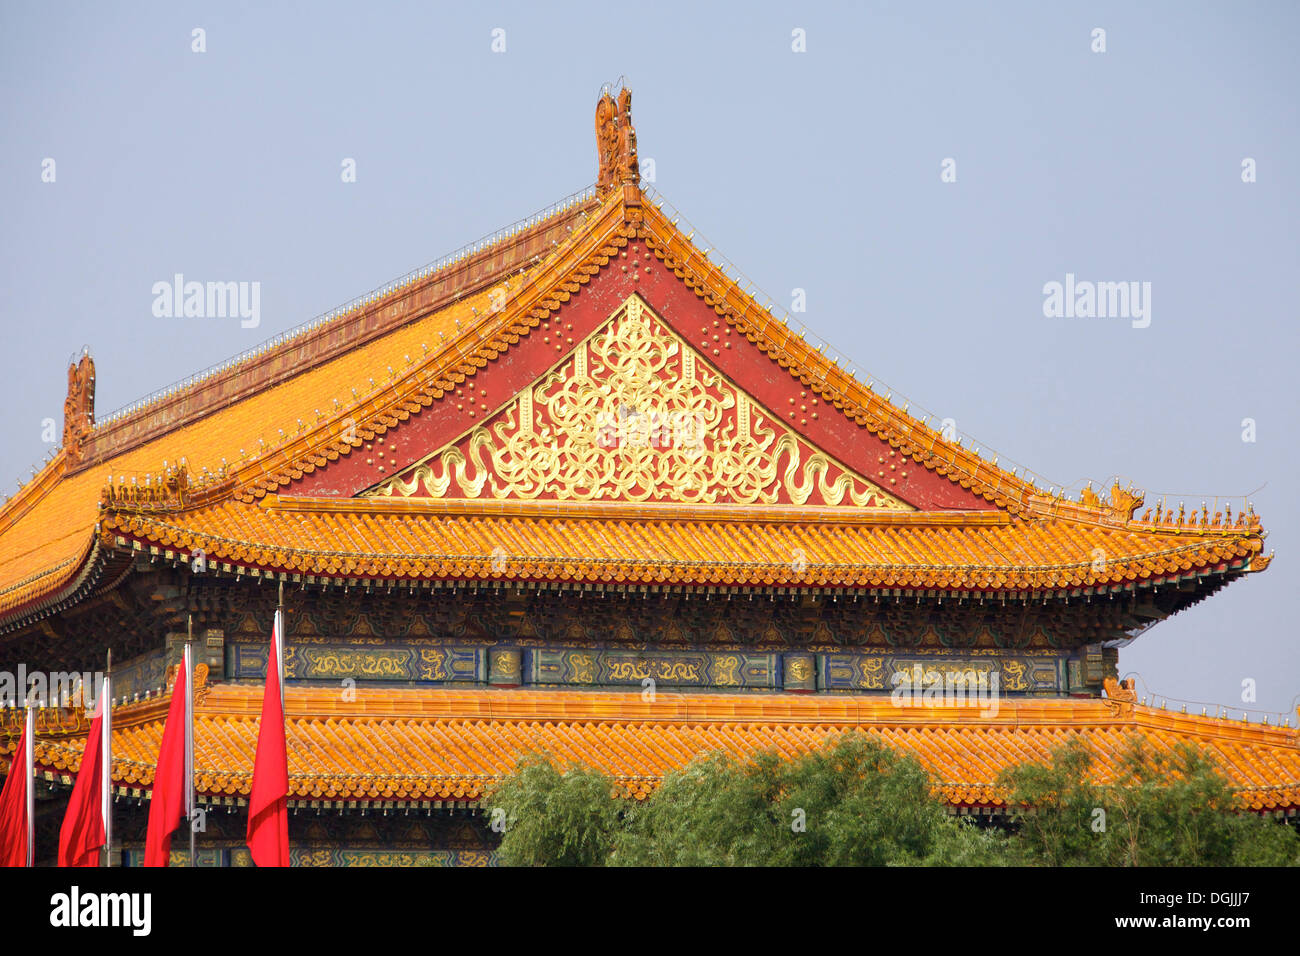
(716, 811)
(554, 817)
(855, 802)
(869, 805)
(1163, 808)
(1058, 822)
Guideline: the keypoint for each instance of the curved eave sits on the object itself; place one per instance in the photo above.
(62, 489)
(50, 592)
(364, 540)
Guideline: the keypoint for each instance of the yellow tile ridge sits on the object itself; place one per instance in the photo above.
(458, 358)
(610, 510)
(235, 700)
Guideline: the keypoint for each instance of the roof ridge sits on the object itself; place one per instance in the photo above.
(835, 384)
(1031, 500)
(367, 317)
(897, 426)
(915, 439)
(26, 497)
(705, 707)
(553, 280)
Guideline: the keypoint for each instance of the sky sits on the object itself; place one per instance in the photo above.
(921, 171)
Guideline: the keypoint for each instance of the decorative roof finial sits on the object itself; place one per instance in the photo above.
(616, 142)
(79, 406)
(1125, 501)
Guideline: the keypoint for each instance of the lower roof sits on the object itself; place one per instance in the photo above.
(682, 545)
(414, 745)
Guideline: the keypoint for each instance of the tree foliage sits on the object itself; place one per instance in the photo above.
(1162, 808)
(857, 802)
(553, 817)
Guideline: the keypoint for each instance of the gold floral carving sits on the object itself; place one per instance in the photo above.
(635, 415)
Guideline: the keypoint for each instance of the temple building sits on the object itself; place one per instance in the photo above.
(574, 490)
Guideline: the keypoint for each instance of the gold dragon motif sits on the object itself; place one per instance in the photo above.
(660, 670)
(725, 671)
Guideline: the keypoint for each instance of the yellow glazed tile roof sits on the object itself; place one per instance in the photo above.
(1041, 541)
(452, 744)
(46, 528)
(739, 545)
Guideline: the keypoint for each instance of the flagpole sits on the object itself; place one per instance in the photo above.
(189, 737)
(106, 759)
(278, 631)
(29, 765)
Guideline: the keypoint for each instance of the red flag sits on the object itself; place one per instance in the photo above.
(268, 803)
(82, 833)
(167, 802)
(13, 807)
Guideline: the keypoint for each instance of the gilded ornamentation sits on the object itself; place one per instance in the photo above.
(724, 671)
(635, 415)
(667, 671)
(1013, 676)
(873, 673)
(917, 672)
(584, 668)
(431, 664)
(364, 664)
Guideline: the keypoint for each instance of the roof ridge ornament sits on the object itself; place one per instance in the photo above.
(79, 406)
(167, 491)
(1121, 696)
(616, 142)
(1125, 501)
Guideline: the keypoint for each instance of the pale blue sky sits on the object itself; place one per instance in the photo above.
(818, 170)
